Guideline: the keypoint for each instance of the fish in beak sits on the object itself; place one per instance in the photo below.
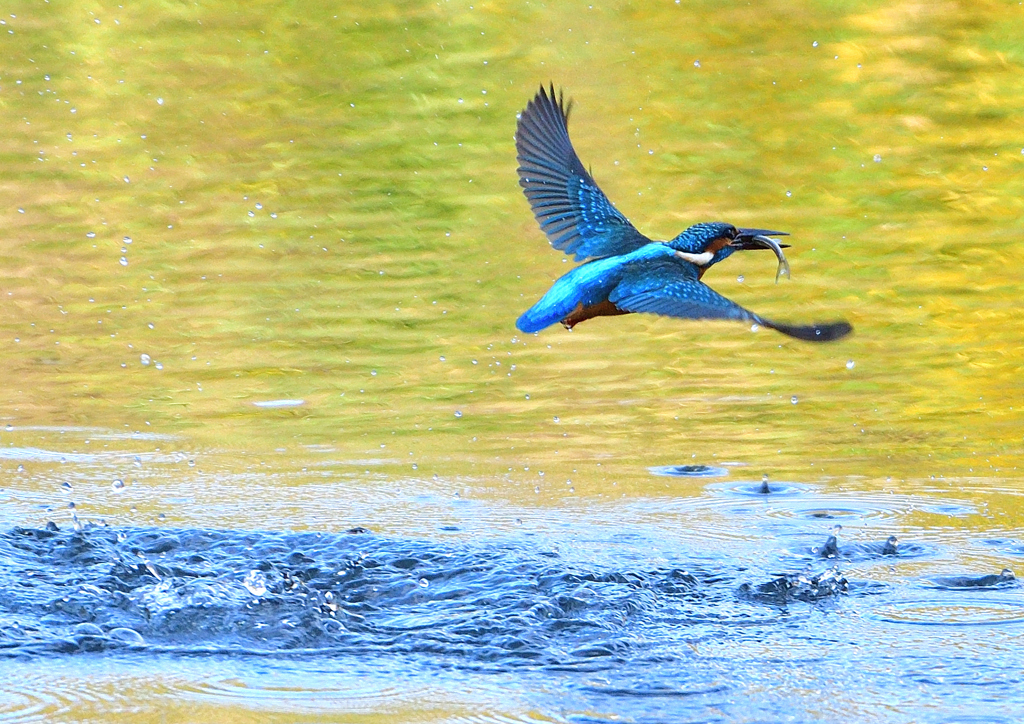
(762, 239)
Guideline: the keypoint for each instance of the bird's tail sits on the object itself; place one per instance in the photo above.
(817, 332)
(559, 301)
(537, 318)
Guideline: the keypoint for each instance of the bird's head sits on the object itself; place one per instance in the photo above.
(708, 243)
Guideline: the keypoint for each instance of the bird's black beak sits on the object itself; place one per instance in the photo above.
(747, 239)
(762, 239)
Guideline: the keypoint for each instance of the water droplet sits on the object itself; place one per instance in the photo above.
(66, 485)
(527, 397)
(696, 64)
(740, 278)
(118, 484)
(536, 489)
(789, 193)
(475, 362)
(442, 358)
(256, 582)
(556, 419)
(123, 261)
(9, 428)
(259, 206)
(159, 365)
(191, 463)
(273, 216)
(150, 325)
(793, 399)
(423, 583)
(849, 364)
(126, 635)
(252, 213)
(878, 158)
(145, 358)
(814, 44)
(159, 101)
(458, 413)
(21, 468)
(127, 240)
(415, 466)
(90, 235)
(984, 168)
(519, 521)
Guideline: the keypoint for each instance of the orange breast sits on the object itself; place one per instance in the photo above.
(582, 314)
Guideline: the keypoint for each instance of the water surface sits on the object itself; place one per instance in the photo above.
(262, 267)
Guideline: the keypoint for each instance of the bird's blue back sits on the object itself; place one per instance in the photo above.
(591, 283)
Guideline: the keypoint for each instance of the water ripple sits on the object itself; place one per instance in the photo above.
(688, 471)
(943, 613)
(609, 624)
(481, 605)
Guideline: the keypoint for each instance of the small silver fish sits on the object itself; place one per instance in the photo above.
(762, 239)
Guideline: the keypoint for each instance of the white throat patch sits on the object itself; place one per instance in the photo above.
(698, 259)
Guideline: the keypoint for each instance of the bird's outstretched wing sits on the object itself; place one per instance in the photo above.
(574, 213)
(661, 287)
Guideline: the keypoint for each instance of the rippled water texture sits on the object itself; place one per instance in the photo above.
(261, 267)
(622, 621)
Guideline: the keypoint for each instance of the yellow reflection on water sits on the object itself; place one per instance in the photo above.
(321, 203)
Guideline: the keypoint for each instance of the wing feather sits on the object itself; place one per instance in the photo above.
(678, 297)
(671, 288)
(571, 209)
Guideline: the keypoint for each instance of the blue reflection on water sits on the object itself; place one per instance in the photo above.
(576, 633)
(689, 471)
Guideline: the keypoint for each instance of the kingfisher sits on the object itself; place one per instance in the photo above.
(625, 271)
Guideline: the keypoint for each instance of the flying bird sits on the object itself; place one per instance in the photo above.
(626, 271)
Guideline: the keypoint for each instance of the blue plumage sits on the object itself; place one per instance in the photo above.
(628, 272)
(574, 213)
(591, 284)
